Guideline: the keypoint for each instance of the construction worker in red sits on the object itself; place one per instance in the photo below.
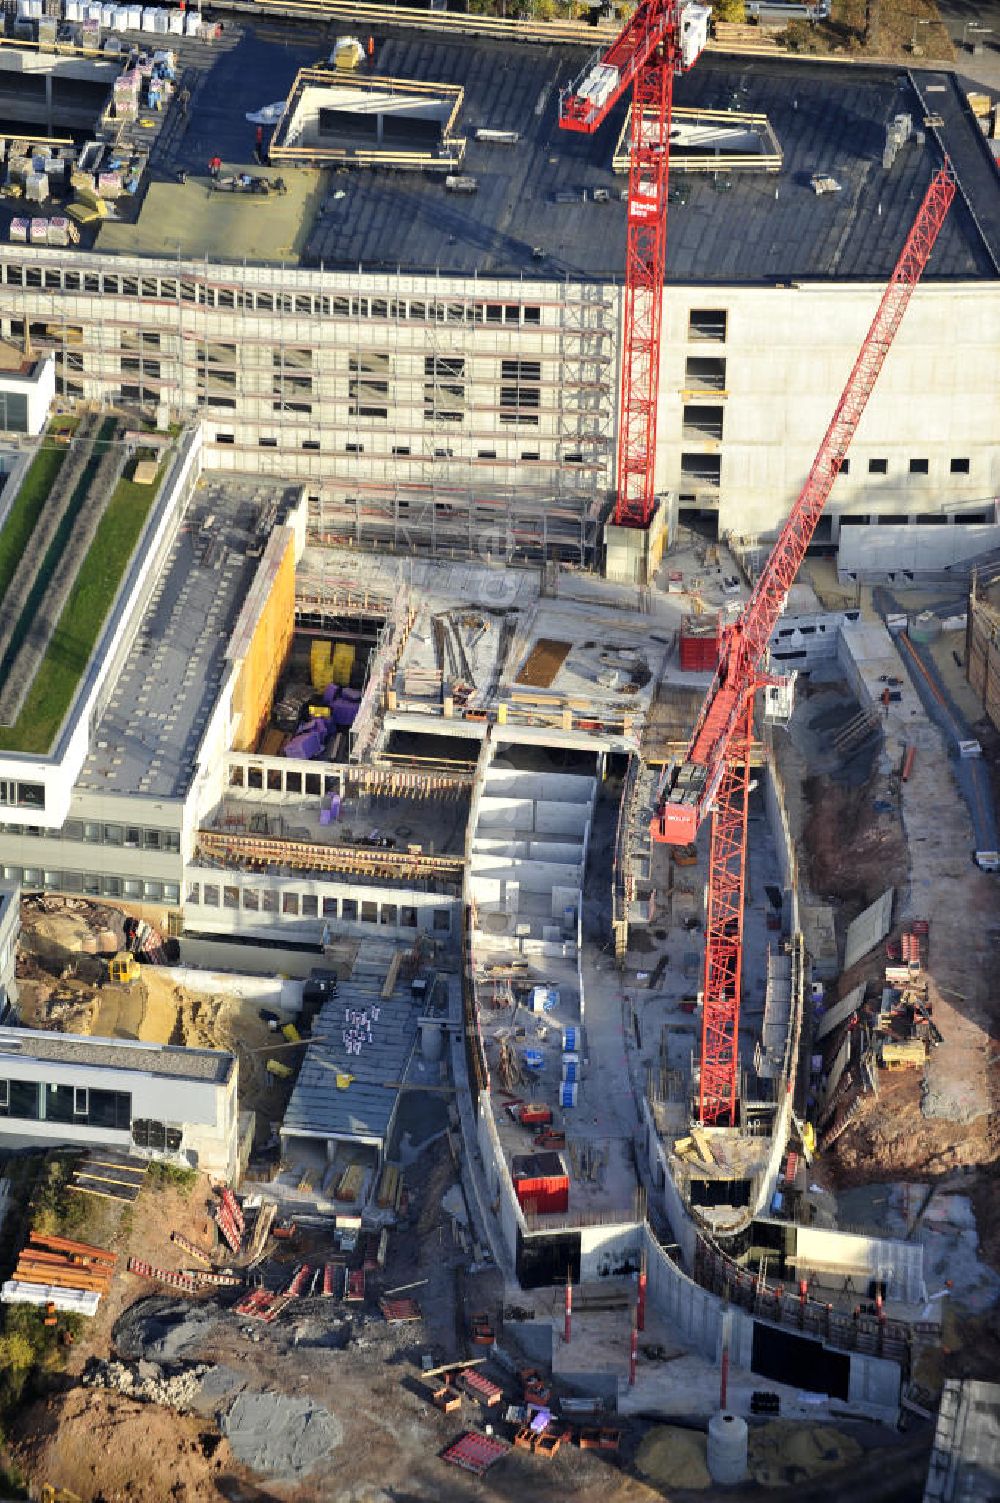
(215, 167)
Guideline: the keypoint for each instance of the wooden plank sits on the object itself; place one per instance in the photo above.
(392, 975)
(453, 1367)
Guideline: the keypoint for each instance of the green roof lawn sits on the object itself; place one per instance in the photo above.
(27, 505)
(83, 616)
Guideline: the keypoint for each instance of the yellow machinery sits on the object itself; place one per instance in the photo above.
(124, 969)
(276, 1068)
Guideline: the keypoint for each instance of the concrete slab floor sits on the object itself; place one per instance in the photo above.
(436, 824)
(679, 1383)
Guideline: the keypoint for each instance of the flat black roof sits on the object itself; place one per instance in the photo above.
(528, 216)
(828, 118)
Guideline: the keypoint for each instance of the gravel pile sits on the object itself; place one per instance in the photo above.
(278, 1436)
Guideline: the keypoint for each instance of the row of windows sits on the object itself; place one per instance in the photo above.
(22, 795)
(92, 884)
(37, 1101)
(172, 289)
(308, 905)
(956, 466)
(132, 837)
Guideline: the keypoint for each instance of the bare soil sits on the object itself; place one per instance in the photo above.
(544, 661)
(876, 29)
(853, 854)
(102, 1445)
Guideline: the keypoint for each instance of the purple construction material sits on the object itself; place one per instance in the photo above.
(354, 694)
(334, 805)
(344, 713)
(330, 693)
(321, 727)
(307, 745)
(325, 816)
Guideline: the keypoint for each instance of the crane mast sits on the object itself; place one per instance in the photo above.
(714, 776)
(663, 38)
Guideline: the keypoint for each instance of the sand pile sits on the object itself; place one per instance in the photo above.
(674, 1458)
(783, 1452)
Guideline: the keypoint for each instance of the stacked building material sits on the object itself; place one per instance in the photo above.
(229, 1219)
(390, 1188)
(319, 664)
(50, 1267)
(341, 663)
(298, 1281)
(474, 1452)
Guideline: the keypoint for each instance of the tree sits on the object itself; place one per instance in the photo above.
(729, 10)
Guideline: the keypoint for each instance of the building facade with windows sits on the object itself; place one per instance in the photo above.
(152, 1100)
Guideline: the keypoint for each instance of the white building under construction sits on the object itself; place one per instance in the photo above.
(440, 368)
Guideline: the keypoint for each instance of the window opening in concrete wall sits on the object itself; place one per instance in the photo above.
(878, 467)
(919, 467)
(705, 470)
(702, 421)
(520, 391)
(368, 387)
(960, 467)
(444, 388)
(707, 323)
(705, 373)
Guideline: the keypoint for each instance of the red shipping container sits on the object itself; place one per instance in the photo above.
(541, 1183)
(536, 1116)
(543, 1196)
(700, 643)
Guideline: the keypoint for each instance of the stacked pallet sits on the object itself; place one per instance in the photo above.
(59, 1272)
(390, 1190)
(229, 1219)
(350, 1183)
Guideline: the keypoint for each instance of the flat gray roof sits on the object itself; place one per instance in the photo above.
(318, 1108)
(213, 1065)
(965, 1461)
(147, 739)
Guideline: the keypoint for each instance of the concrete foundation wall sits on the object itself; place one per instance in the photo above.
(900, 1264)
(531, 876)
(544, 818)
(608, 1252)
(891, 552)
(564, 787)
(874, 1381)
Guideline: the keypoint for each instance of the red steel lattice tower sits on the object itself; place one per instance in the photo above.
(663, 38)
(714, 777)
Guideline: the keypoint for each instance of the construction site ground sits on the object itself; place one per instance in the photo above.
(59, 987)
(930, 1133)
(344, 1366)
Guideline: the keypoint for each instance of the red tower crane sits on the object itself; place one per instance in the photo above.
(663, 38)
(714, 776)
